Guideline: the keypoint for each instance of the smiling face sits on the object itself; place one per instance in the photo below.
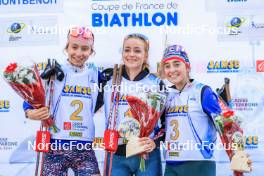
(134, 53)
(79, 50)
(176, 72)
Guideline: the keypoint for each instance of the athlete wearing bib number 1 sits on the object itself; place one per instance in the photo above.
(190, 131)
(73, 106)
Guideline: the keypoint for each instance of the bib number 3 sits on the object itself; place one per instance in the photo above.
(175, 130)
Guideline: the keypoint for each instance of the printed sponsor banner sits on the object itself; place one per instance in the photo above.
(4, 106)
(234, 5)
(223, 66)
(248, 101)
(131, 13)
(31, 6)
(241, 27)
(29, 31)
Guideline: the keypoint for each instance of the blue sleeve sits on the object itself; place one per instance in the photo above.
(100, 76)
(26, 106)
(210, 103)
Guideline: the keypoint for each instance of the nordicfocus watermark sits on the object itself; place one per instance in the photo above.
(71, 145)
(193, 29)
(189, 29)
(126, 87)
(58, 29)
(191, 145)
(172, 146)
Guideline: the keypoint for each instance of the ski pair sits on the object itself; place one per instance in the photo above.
(111, 134)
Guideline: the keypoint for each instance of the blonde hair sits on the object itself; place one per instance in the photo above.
(146, 43)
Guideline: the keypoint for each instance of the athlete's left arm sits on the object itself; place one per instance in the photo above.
(209, 102)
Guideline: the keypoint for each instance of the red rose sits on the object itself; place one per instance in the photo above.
(228, 114)
(228, 124)
(11, 68)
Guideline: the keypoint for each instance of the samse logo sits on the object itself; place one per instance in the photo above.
(4, 106)
(223, 66)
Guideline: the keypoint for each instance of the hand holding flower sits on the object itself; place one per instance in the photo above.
(148, 143)
(38, 114)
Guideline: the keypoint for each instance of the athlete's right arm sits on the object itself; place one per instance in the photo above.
(103, 77)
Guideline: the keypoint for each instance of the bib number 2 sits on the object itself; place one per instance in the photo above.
(75, 114)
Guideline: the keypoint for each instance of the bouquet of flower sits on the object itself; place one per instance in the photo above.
(146, 109)
(232, 134)
(228, 125)
(27, 84)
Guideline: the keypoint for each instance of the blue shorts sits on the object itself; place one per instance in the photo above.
(82, 162)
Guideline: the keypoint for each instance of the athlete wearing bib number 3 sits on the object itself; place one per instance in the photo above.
(187, 122)
(189, 127)
(190, 131)
(73, 106)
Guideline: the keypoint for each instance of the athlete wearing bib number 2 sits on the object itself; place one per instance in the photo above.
(135, 77)
(189, 128)
(73, 106)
